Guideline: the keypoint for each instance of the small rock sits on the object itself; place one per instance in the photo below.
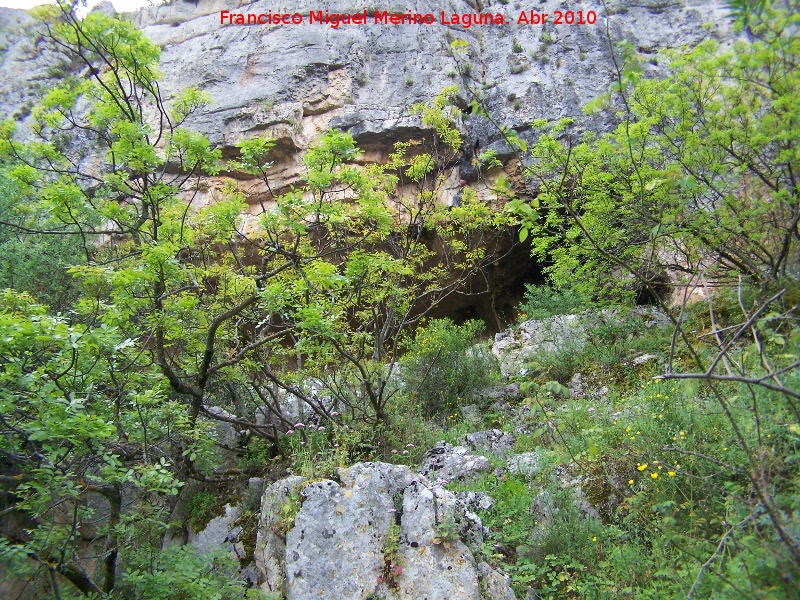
(576, 386)
(494, 441)
(445, 462)
(526, 464)
(640, 360)
(496, 584)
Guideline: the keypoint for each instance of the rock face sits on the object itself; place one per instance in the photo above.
(295, 81)
(446, 463)
(568, 333)
(383, 531)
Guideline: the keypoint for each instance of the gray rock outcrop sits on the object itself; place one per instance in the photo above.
(513, 348)
(444, 463)
(294, 81)
(383, 530)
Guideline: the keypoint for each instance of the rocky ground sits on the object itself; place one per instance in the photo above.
(388, 531)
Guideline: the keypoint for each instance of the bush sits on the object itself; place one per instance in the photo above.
(181, 573)
(443, 367)
(542, 301)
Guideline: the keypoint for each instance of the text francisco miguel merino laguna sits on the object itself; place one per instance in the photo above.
(466, 20)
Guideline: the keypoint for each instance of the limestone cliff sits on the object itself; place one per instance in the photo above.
(294, 81)
(297, 80)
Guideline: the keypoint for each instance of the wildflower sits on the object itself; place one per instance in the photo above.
(630, 481)
(336, 445)
(655, 462)
(409, 445)
(671, 473)
(659, 467)
(654, 475)
(290, 432)
(320, 428)
(394, 451)
(392, 510)
(628, 429)
(302, 443)
(641, 467)
(594, 539)
(335, 413)
(299, 425)
(677, 467)
(660, 416)
(405, 451)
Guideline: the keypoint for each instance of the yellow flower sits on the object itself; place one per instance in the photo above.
(642, 467)
(630, 481)
(594, 539)
(671, 473)
(660, 416)
(654, 475)
(677, 467)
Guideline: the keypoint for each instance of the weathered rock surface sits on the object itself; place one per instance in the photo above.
(527, 464)
(278, 505)
(382, 531)
(513, 348)
(494, 441)
(294, 81)
(444, 463)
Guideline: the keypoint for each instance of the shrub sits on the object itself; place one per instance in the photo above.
(202, 507)
(542, 301)
(443, 367)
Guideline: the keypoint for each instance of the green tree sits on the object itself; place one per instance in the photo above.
(182, 311)
(698, 187)
(79, 427)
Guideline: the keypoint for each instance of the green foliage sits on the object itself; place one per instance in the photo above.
(542, 301)
(33, 262)
(443, 367)
(705, 192)
(181, 573)
(202, 507)
(688, 177)
(392, 569)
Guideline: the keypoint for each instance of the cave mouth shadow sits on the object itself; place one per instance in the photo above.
(494, 295)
